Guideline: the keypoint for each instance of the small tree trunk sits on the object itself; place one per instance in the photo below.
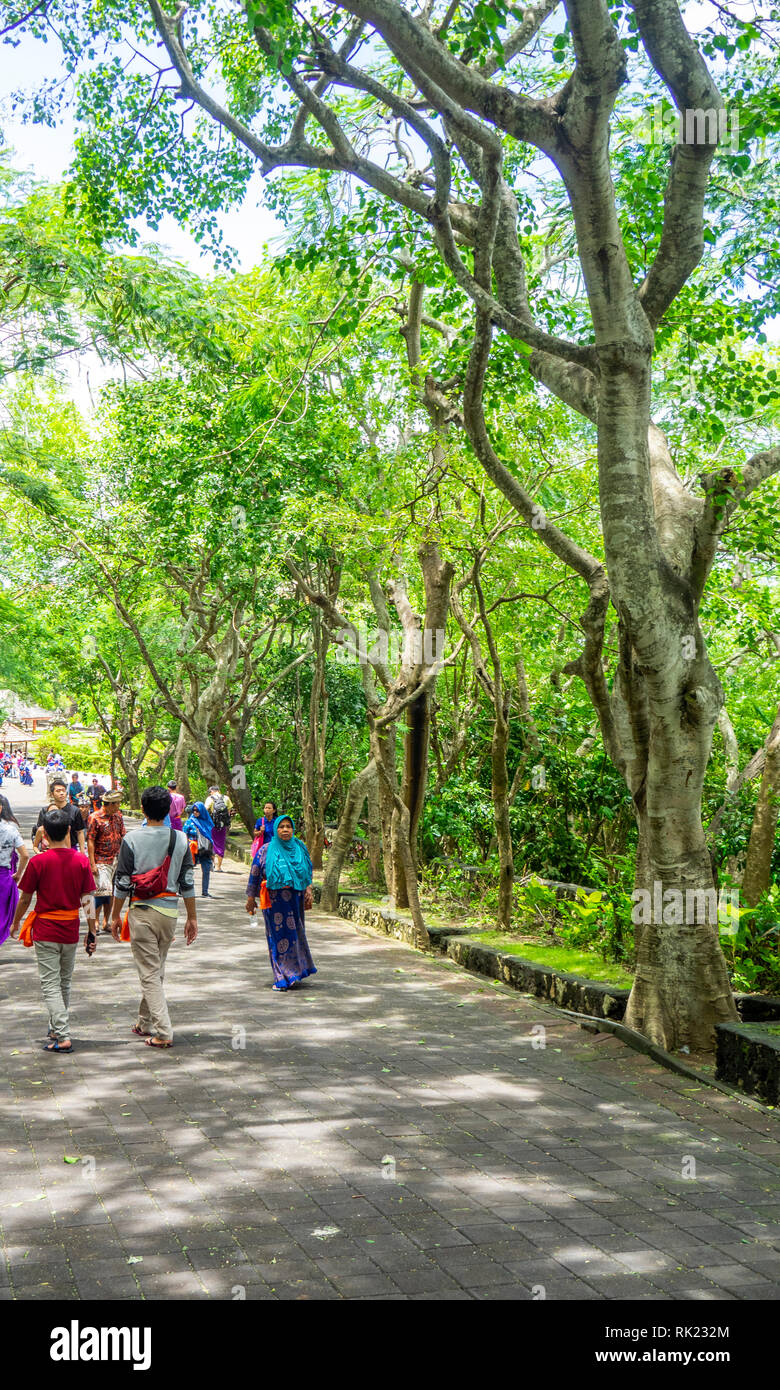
(132, 782)
(181, 763)
(401, 839)
(500, 789)
(374, 833)
(383, 750)
(242, 799)
(758, 863)
(359, 788)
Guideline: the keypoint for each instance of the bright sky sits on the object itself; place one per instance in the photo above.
(47, 152)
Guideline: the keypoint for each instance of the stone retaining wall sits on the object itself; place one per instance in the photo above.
(567, 991)
(748, 1056)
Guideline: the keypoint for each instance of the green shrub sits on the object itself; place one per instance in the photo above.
(752, 952)
(79, 754)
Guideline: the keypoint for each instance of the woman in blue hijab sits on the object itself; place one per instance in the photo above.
(285, 868)
(199, 829)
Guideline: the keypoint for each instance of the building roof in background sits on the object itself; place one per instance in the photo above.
(9, 732)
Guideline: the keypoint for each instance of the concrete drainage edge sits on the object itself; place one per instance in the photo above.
(640, 1043)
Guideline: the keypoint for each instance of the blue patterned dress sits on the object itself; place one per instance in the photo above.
(284, 928)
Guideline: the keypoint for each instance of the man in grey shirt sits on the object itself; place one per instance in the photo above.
(152, 921)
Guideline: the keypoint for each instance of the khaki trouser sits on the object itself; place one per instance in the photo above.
(55, 967)
(151, 934)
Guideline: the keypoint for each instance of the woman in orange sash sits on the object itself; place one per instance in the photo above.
(61, 881)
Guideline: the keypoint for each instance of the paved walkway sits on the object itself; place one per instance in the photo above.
(394, 1129)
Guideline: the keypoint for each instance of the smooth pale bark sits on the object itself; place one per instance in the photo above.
(681, 987)
(758, 861)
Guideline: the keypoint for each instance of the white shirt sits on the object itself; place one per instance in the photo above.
(10, 839)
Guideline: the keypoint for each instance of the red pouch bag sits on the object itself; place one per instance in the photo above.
(154, 881)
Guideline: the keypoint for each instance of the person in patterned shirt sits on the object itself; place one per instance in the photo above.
(105, 833)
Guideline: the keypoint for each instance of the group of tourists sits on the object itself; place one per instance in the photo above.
(14, 765)
(143, 872)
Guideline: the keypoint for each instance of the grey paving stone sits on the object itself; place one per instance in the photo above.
(418, 1281)
(45, 1293)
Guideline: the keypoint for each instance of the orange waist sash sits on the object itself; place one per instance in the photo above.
(68, 919)
(124, 935)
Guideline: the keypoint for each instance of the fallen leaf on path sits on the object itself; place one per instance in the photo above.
(135, 1259)
(66, 1158)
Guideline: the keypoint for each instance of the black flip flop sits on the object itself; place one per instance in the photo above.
(55, 1047)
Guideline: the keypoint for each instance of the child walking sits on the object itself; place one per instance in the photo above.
(61, 881)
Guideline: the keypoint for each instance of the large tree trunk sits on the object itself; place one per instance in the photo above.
(358, 790)
(681, 988)
(758, 863)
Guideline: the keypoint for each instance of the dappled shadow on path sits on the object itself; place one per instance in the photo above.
(394, 1129)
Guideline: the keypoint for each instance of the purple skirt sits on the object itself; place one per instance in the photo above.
(219, 840)
(9, 897)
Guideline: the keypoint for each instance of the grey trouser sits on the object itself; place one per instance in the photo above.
(151, 934)
(55, 967)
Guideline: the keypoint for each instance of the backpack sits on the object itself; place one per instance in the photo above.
(200, 844)
(154, 881)
(220, 813)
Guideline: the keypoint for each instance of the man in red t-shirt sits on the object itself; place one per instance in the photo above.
(62, 881)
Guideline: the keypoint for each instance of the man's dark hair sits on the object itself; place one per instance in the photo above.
(56, 824)
(58, 782)
(156, 802)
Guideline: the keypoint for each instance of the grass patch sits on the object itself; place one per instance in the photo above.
(564, 958)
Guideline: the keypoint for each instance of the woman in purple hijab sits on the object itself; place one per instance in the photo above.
(13, 861)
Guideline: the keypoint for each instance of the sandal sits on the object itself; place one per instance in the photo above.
(150, 1042)
(139, 1032)
(54, 1046)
